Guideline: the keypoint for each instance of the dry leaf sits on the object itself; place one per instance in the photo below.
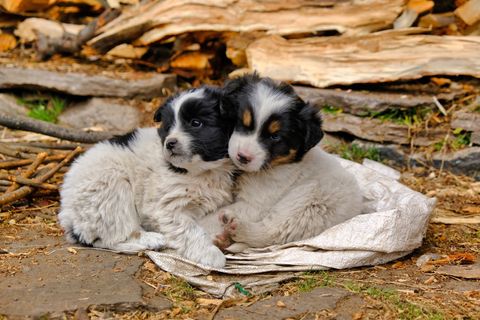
(207, 302)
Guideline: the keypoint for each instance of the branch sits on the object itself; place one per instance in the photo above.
(23, 123)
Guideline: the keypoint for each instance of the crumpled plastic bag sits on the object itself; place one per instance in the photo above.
(393, 225)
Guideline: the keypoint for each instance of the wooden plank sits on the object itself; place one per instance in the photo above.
(379, 131)
(159, 20)
(324, 62)
(106, 85)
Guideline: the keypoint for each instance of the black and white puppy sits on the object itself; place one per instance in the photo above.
(149, 188)
(291, 190)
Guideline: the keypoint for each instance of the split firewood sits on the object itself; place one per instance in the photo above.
(128, 85)
(29, 29)
(72, 43)
(153, 21)
(469, 12)
(27, 124)
(323, 62)
(30, 170)
(26, 190)
(7, 42)
(18, 6)
(469, 121)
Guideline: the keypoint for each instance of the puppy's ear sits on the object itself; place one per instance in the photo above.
(157, 117)
(238, 84)
(312, 123)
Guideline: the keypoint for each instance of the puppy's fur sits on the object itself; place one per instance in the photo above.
(148, 189)
(291, 190)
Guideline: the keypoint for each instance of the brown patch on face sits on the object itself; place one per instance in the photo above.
(284, 159)
(247, 118)
(274, 126)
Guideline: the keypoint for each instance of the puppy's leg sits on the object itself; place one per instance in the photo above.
(291, 219)
(189, 239)
(141, 240)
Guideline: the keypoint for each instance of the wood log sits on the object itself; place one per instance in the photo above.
(28, 29)
(125, 85)
(323, 62)
(380, 131)
(159, 20)
(365, 102)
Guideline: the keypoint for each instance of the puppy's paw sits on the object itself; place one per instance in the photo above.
(152, 240)
(237, 247)
(222, 240)
(212, 257)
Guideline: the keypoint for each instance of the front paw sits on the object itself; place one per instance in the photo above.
(229, 221)
(212, 257)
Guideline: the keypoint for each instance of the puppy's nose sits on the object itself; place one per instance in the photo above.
(243, 158)
(171, 143)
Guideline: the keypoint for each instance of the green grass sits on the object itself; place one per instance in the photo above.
(314, 279)
(356, 153)
(45, 109)
(406, 310)
(409, 117)
(458, 140)
(331, 110)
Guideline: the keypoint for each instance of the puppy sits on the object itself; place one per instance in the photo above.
(148, 188)
(289, 190)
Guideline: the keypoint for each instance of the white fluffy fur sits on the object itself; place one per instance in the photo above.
(291, 202)
(126, 198)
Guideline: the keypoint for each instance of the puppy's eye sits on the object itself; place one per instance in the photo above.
(196, 123)
(275, 137)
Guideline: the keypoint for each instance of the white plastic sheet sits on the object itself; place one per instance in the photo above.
(393, 224)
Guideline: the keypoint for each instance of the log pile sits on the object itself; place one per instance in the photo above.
(398, 73)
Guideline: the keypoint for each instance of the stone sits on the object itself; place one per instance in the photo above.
(102, 113)
(469, 121)
(9, 105)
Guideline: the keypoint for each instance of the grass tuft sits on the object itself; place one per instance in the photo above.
(44, 109)
(356, 153)
(314, 279)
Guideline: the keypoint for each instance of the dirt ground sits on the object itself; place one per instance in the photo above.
(42, 276)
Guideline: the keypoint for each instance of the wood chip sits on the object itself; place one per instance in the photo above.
(281, 304)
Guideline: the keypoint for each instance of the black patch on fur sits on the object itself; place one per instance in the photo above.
(214, 111)
(300, 123)
(178, 170)
(124, 140)
(77, 238)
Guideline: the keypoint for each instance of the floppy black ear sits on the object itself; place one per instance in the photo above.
(157, 117)
(238, 84)
(312, 123)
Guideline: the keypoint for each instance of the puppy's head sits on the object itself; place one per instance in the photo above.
(195, 127)
(274, 125)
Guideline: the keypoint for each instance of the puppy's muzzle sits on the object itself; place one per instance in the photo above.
(244, 158)
(173, 145)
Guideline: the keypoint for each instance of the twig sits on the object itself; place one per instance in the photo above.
(6, 150)
(18, 163)
(23, 123)
(439, 106)
(45, 145)
(26, 190)
(27, 182)
(30, 170)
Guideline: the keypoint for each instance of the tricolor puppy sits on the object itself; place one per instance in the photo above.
(148, 189)
(290, 189)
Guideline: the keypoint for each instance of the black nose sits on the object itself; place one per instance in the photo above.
(243, 158)
(171, 143)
